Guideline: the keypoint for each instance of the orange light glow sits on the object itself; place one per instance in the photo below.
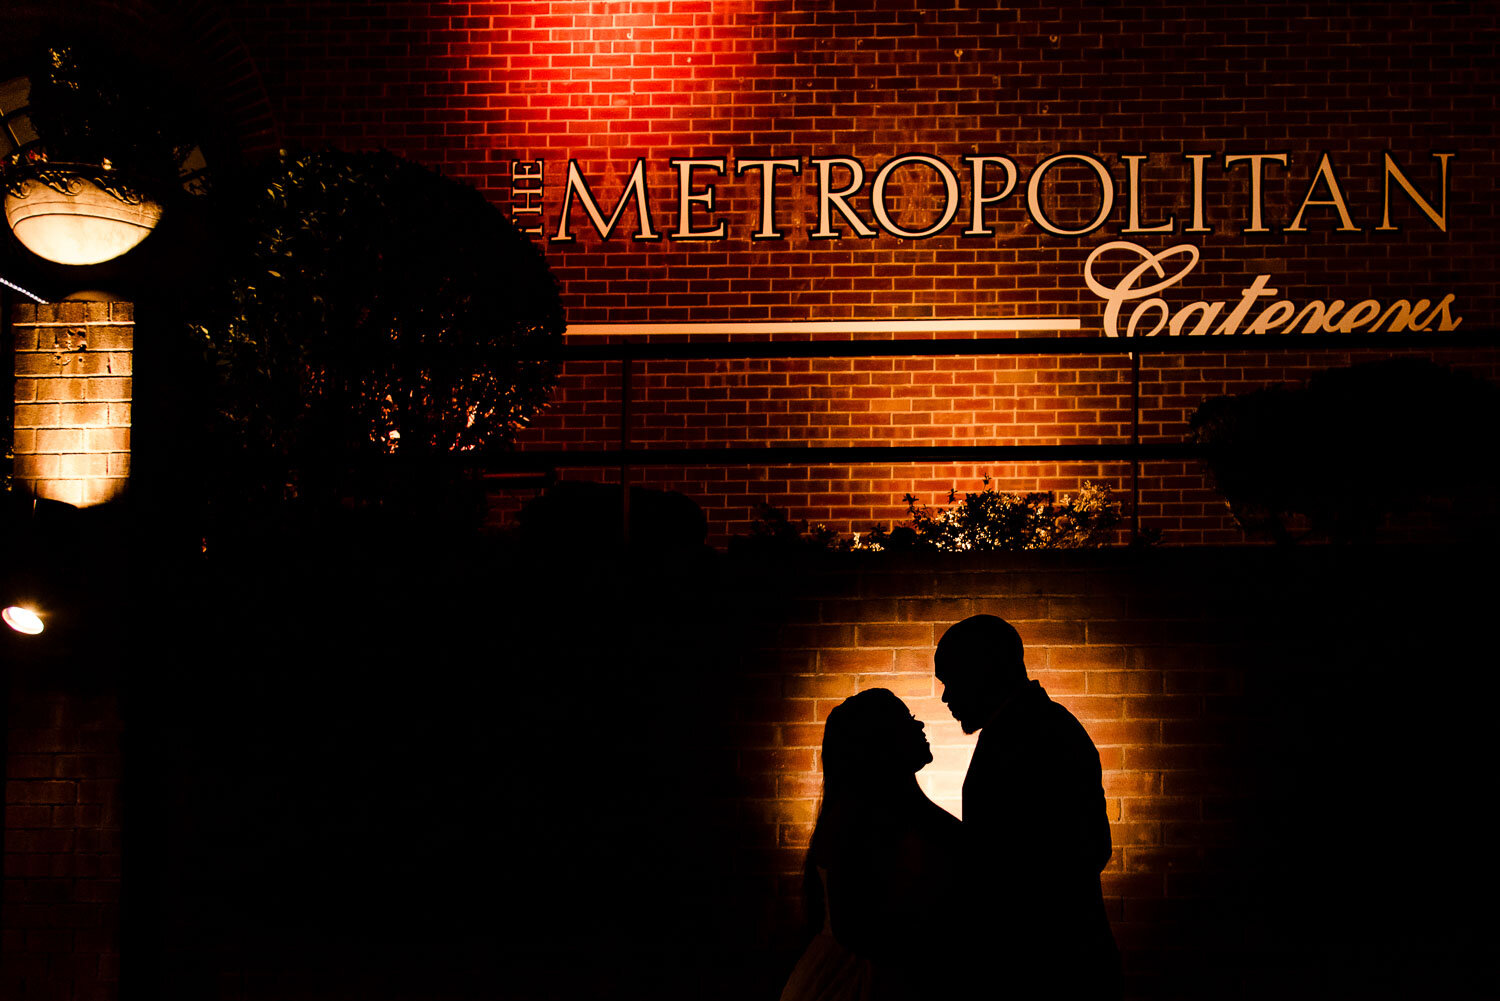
(84, 226)
(73, 401)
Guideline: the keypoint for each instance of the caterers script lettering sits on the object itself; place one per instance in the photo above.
(992, 179)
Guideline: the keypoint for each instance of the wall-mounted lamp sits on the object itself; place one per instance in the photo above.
(22, 620)
(84, 137)
(72, 220)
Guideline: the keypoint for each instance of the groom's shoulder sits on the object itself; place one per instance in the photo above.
(1060, 720)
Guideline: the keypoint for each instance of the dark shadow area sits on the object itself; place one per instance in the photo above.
(578, 516)
(427, 770)
(375, 762)
(1347, 747)
(1317, 459)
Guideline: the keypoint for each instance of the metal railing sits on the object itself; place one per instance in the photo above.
(627, 456)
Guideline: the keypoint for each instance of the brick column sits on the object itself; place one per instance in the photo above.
(73, 393)
(61, 889)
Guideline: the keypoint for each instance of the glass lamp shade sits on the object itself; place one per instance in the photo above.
(22, 620)
(87, 226)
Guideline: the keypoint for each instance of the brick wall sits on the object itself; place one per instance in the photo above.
(1248, 711)
(60, 910)
(73, 399)
(1005, 400)
(473, 91)
(1290, 741)
(604, 780)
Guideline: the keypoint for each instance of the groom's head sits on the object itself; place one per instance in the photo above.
(979, 662)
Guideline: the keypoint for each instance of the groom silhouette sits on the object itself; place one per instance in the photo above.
(1035, 826)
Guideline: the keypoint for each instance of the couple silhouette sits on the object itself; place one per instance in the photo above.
(908, 902)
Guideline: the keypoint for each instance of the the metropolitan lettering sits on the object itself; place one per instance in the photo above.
(834, 182)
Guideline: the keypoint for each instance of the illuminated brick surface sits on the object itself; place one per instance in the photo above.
(73, 400)
(478, 89)
(1238, 705)
(1206, 686)
(596, 768)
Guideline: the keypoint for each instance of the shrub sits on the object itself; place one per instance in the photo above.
(991, 520)
(774, 532)
(99, 115)
(577, 515)
(986, 521)
(375, 317)
(1355, 447)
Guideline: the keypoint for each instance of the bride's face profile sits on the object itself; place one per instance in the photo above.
(921, 749)
(876, 728)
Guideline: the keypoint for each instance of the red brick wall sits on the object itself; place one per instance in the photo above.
(472, 88)
(60, 910)
(613, 798)
(1199, 681)
(1248, 711)
(62, 722)
(1141, 701)
(1026, 400)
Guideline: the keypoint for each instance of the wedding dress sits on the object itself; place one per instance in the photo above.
(827, 971)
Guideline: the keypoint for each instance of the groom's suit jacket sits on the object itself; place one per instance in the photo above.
(1038, 833)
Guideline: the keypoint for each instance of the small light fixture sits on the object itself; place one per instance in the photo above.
(22, 620)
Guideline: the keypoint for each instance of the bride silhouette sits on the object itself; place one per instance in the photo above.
(881, 865)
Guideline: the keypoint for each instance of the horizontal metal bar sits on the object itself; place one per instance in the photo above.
(774, 327)
(839, 455)
(909, 347)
